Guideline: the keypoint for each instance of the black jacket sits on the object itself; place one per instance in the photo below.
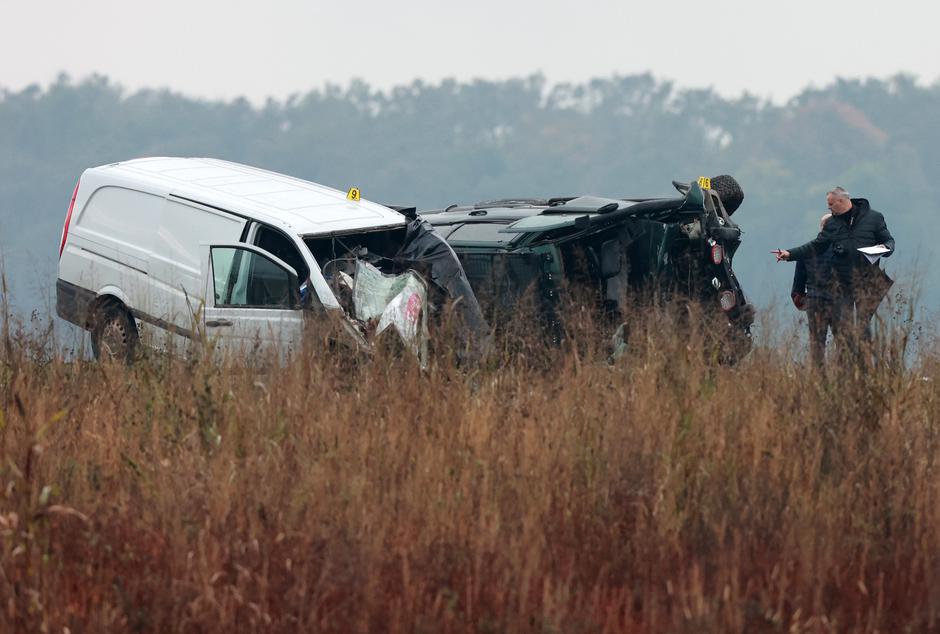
(841, 238)
(813, 277)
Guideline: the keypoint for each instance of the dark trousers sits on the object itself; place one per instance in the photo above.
(851, 324)
(819, 316)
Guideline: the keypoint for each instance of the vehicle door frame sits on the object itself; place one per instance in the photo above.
(316, 280)
(227, 326)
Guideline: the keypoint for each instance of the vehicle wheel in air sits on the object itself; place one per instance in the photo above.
(114, 335)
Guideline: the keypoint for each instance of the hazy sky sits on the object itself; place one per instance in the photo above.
(227, 48)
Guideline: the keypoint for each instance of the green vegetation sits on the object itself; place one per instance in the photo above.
(432, 145)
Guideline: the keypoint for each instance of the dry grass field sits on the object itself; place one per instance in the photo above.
(551, 492)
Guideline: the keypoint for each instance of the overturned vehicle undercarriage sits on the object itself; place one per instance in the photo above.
(675, 249)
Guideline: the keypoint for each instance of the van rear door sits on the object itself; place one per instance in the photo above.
(252, 301)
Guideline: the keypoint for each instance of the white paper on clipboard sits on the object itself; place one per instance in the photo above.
(875, 252)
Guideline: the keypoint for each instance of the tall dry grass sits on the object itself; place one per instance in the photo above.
(549, 493)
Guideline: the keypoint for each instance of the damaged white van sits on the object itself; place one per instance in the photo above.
(164, 251)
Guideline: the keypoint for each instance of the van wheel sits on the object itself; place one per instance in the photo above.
(114, 336)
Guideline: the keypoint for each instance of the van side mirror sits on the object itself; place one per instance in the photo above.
(610, 259)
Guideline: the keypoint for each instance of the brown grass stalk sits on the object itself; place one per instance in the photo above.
(548, 492)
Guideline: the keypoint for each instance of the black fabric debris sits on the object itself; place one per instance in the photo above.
(426, 251)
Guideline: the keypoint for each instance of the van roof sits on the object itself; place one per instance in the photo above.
(301, 206)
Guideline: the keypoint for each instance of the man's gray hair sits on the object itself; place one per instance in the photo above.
(839, 192)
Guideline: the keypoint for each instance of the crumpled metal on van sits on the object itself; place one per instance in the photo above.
(427, 250)
(399, 302)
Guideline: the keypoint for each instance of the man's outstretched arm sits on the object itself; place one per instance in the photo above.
(812, 248)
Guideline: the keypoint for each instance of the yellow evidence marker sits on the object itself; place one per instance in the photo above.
(353, 194)
(704, 182)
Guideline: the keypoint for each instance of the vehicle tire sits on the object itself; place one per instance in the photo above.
(114, 334)
(730, 192)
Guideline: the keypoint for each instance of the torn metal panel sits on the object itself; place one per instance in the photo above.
(423, 248)
(367, 271)
(399, 302)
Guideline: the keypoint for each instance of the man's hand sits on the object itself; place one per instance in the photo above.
(782, 254)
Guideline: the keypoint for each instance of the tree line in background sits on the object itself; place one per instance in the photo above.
(435, 144)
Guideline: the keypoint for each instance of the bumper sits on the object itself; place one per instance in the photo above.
(73, 303)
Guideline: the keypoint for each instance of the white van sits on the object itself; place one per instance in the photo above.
(161, 249)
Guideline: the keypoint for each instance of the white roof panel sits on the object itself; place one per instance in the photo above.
(195, 174)
(301, 206)
(251, 188)
(291, 199)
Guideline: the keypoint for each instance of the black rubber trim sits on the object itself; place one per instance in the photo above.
(115, 260)
(161, 323)
(222, 209)
(244, 236)
(73, 302)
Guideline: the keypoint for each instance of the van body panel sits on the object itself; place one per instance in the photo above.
(175, 258)
(114, 291)
(109, 242)
(241, 331)
(84, 265)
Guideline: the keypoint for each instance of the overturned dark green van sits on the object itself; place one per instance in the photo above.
(618, 250)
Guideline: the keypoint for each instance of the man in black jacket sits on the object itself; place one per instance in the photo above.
(812, 292)
(858, 284)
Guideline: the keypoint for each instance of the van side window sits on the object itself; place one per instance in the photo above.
(278, 245)
(243, 279)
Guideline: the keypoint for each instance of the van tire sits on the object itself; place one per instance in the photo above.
(114, 334)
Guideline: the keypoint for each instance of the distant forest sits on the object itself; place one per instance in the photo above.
(435, 144)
